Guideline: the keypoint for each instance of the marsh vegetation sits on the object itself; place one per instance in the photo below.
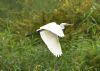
(81, 45)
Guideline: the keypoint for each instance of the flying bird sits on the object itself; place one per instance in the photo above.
(50, 33)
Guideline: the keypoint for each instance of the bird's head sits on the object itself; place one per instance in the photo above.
(65, 24)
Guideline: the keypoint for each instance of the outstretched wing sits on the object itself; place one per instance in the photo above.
(52, 42)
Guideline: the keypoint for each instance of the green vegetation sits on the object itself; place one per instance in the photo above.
(81, 45)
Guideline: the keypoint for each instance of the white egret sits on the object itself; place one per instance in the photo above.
(50, 33)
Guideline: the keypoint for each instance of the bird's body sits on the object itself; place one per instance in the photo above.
(49, 34)
(54, 28)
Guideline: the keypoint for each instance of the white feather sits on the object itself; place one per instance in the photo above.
(54, 28)
(52, 42)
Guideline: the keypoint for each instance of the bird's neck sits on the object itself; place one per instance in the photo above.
(62, 26)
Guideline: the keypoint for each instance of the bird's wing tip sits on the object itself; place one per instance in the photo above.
(58, 55)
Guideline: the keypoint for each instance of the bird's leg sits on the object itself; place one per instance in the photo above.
(35, 36)
(33, 33)
(29, 34)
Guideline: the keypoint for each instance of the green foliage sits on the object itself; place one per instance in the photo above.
(81, 45)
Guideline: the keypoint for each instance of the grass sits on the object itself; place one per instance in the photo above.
(81, 45)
